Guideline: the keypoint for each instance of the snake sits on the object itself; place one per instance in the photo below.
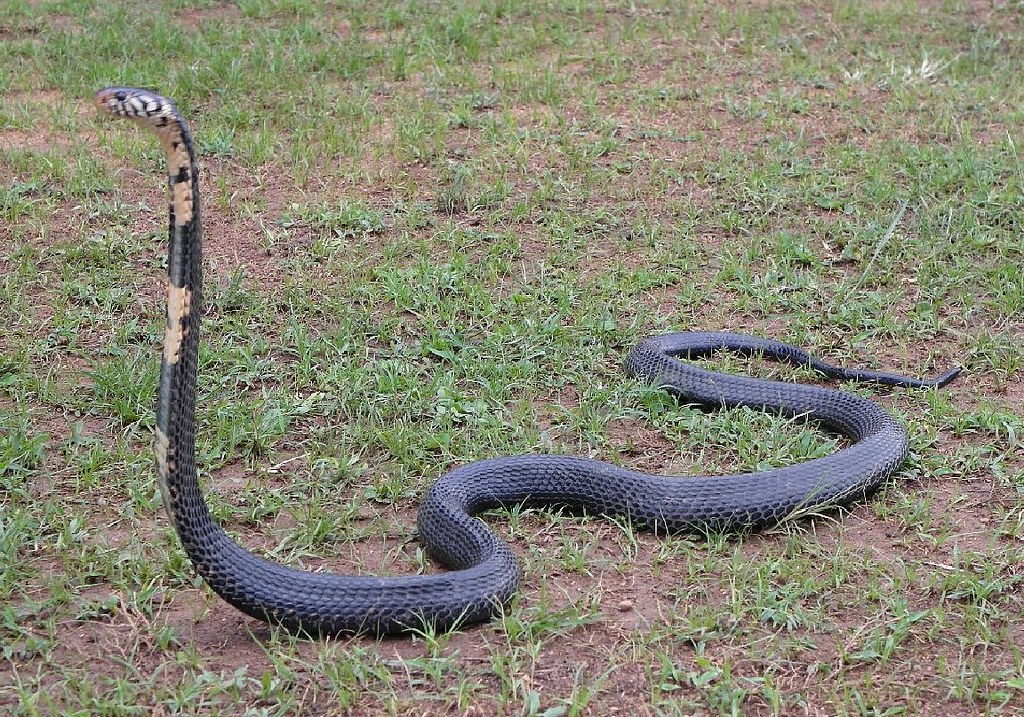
(481, 572)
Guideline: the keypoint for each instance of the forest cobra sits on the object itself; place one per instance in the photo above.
(482, 571)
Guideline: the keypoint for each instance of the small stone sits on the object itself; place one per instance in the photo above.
(625, 605)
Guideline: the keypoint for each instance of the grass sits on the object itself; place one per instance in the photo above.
(433, 231)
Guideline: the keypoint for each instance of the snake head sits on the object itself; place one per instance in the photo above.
(142, 105)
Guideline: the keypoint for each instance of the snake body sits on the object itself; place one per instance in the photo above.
(482, 571)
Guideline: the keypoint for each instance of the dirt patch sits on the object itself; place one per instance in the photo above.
(19, 139)
(195, 17)
(17, 32)
(37, 97)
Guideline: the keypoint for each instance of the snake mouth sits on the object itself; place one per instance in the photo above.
(106, 98)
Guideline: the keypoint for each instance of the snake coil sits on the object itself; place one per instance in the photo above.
(483, 573)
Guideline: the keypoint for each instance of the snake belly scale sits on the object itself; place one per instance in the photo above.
(483, 573)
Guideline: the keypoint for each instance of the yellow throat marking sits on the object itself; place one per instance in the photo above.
(179, 304)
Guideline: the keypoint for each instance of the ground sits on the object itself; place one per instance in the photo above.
(432, 233)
